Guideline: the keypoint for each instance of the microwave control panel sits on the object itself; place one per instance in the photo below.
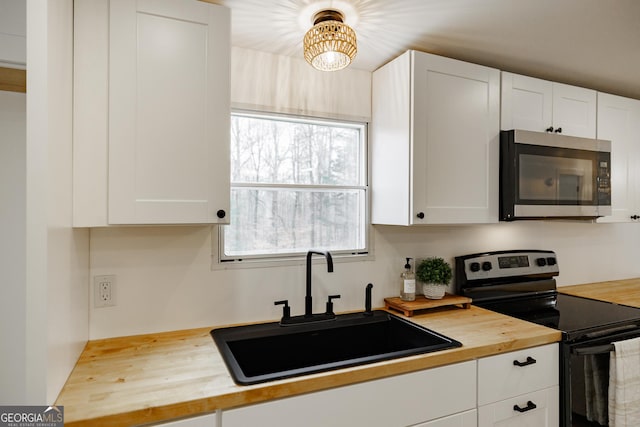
(604, 179)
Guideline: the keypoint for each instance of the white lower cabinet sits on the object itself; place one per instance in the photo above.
(520, 411)
(515, 389)
(209, 420)
(465, 419)
(520, 388)
(403, 400)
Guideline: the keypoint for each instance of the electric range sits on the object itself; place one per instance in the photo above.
(521, 283)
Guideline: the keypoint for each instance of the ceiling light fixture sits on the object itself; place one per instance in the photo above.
(329, 45)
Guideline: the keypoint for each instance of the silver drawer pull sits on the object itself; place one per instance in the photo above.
(530, 406)
(530, 361)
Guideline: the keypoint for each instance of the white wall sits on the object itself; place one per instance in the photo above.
(165, 281)
(289, 85)
(57, 255)
(164, 275)
(13, 113)
(44, 262)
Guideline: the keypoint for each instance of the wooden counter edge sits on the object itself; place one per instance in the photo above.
(13, 80)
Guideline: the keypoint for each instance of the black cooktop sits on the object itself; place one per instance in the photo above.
(576, 317)
(520, 283)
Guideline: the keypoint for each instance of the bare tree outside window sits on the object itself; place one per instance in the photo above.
(295, 184)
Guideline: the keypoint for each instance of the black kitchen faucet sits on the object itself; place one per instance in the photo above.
(308, 299)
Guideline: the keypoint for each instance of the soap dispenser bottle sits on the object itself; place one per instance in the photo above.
(408, 283)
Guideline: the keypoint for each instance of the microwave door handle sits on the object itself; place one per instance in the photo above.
(596, 349)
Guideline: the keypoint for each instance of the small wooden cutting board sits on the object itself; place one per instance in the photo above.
(422, 303)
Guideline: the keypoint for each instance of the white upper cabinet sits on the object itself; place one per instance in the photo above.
(619, 122)
(152, 107)
(574, 110)
(543, 106)
(434, 141)
(527, 103)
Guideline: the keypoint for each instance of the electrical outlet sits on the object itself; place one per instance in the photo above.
(104, 290)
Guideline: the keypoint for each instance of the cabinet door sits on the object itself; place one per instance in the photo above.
(574, 110)
(210, 420)
(168, 112)
(619, 122)
(537, 409)
(527, 103)
(534, 104)
(401, 400)
(456, 123)
(465, 419)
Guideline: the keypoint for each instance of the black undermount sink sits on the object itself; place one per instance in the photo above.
(266, 352)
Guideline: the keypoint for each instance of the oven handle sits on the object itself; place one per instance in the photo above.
(596, 349)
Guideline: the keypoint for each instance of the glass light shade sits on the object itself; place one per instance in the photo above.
(330, 45)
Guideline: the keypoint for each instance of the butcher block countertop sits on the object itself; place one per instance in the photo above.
(625, 291)
(155, 377)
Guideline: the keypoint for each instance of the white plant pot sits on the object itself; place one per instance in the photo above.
(433, 291)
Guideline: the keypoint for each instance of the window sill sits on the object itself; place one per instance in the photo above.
(275, 261)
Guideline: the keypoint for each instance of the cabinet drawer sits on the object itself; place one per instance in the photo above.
(500, 377)
(504, 413)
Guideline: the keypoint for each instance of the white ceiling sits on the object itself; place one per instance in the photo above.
(591, 43)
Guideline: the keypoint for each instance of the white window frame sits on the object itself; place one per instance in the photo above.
(221, 261)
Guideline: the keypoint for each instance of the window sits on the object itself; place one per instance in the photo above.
(296, 184)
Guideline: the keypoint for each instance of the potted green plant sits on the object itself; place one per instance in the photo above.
(435, 275)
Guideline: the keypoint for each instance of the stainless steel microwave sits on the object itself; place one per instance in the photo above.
(550, 175)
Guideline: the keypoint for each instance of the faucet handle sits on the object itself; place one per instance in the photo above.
(330, 303)
(286, 310)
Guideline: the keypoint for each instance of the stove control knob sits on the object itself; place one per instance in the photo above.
(474, 266)
(541, 262)
(486, 266)
(551, 261)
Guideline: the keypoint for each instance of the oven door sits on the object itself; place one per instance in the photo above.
(585, 378)
(548, 175)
